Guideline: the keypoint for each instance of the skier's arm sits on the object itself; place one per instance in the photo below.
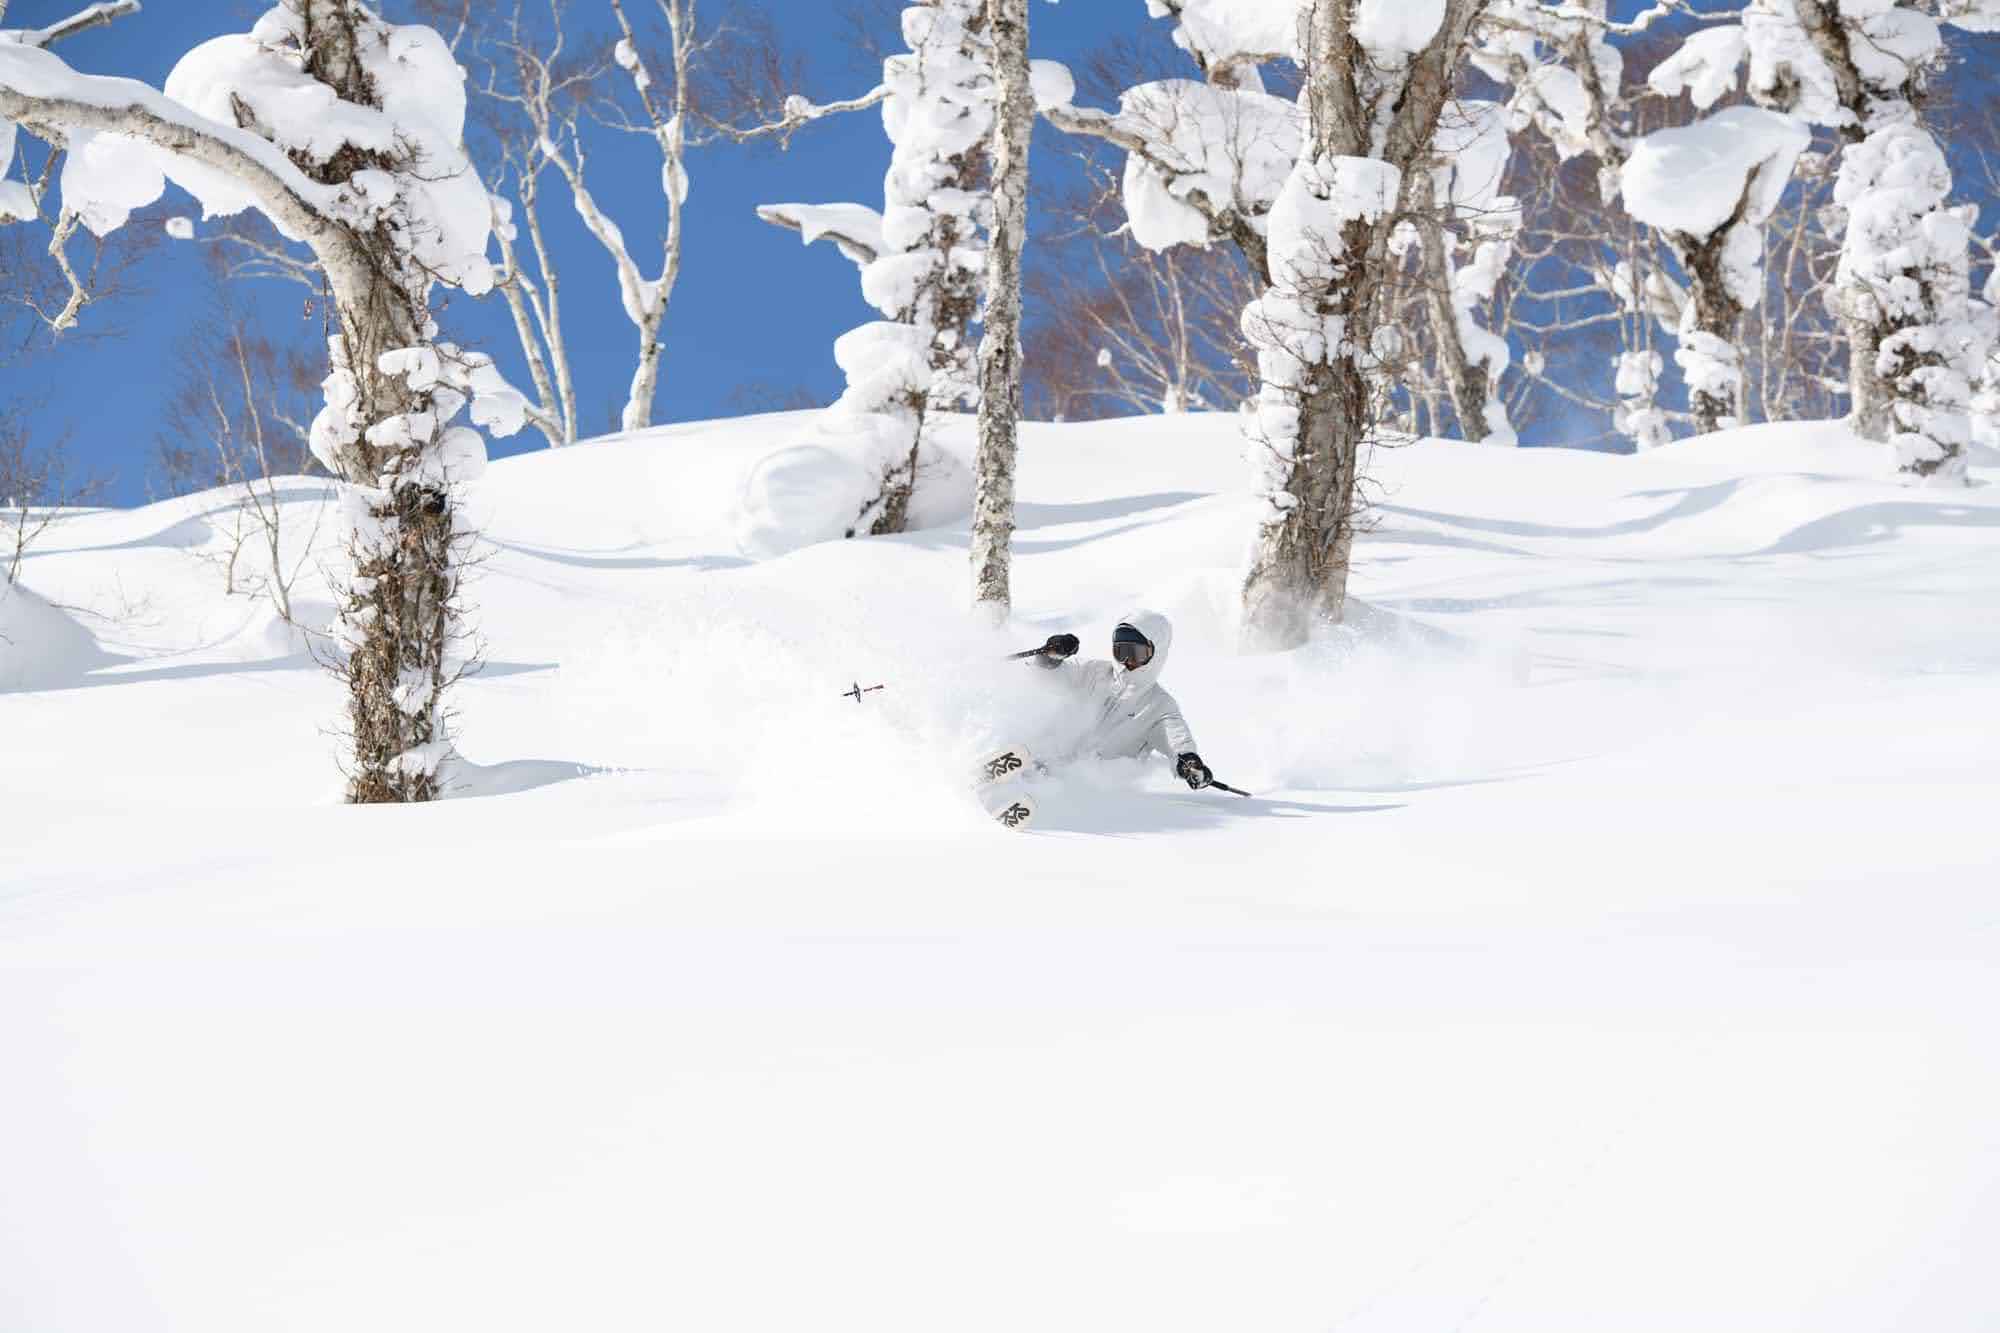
(1172, 736)
(1054, 657)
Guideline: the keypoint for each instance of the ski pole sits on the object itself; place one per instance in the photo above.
(1032, 652)
(1226, 787)
(856, 693)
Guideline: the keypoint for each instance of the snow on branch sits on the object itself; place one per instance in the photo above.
(94, 16)
(855, 228)
(108, 174)
(1694, 179)
(41, 93)
(1638, 23)
(1232, 35)
(1174, 175)
(1232, 147)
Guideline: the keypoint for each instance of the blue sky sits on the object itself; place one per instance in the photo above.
(753, 306)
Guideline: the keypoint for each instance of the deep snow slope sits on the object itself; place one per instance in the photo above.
(1611, 946)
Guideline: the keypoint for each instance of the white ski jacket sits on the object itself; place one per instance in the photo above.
(1129, 714)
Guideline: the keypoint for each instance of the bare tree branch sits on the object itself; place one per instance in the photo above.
(798, 113)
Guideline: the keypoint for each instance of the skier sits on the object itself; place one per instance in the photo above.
(1132, 715)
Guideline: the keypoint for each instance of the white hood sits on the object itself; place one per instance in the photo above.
(1159, 632)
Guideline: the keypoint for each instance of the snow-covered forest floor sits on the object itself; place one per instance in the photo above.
(1611, 944)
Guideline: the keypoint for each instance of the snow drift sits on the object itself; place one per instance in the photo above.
(41, 647)
(1616, 886)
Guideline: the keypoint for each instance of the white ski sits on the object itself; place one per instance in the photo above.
(1017, 814)
(1013, 807)
(1002, 765)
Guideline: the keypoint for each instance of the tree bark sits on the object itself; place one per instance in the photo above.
(1713, 314)
(399, 614)
(1869, 395)
(1470, 385)
(948, 300)
(1000, 341)
(1370, 128)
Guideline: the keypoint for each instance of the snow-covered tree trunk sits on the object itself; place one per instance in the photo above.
(935, 204)
(1843, 98)
(1470, 387)
(1378, 75)
(390, 393)
(1905, 281)
(1000, 339)
(1470, 356)
(1867, 388)
(1917, 340)
(1709, 356)
(1708, 189)
(921, 266)
(389, 205)
(1917, 343)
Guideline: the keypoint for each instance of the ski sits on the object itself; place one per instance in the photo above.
(1017, 814)
(1002, 765)
(1014, 808)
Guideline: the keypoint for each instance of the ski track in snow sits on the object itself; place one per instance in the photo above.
(1608, 947)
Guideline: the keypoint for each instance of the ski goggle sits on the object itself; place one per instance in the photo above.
(1129, 648)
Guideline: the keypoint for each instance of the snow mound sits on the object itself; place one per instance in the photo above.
(1802, 448)
(41, 647)
(817, 488)
(801, 494)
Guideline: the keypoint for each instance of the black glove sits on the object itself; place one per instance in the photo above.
(1193, 771)
(1061, 645)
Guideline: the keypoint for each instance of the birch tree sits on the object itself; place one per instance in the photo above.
(1120, 328)
(554, 104)
(663, 118)
(1462, 187)
(1000, 338)
(345, 131)
(1204, 158)
(1709, 189)
(1379, 74)
(1918, 342)
(1565, 81)
(1206, 161)
(540, 85)
(921, 259)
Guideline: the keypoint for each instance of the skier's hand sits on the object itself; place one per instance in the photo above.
(1193, 771)
(1060, 646)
